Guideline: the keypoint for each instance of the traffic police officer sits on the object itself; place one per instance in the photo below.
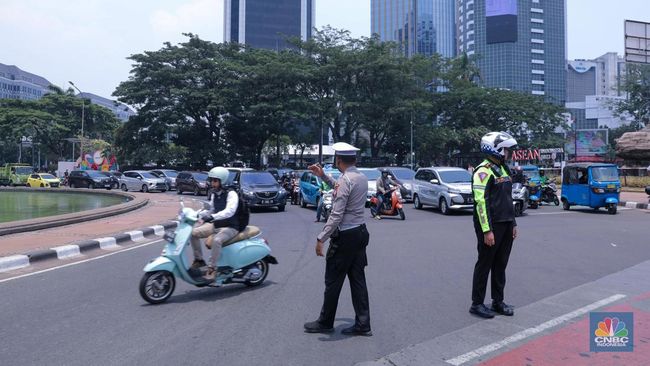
(346, 255)
(494, 223)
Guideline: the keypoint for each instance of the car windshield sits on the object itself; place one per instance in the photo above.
(257, 178)
(106, 174)
(170, 173)
(24, 170)
(605, 174)
(148, 175)
(406, 174)
(201, 177)
(47, 176)
(455, 176)
(371, 174)
(94, 174)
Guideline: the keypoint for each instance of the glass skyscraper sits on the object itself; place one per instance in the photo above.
(418, 26)
(267, 24)
(520, 44)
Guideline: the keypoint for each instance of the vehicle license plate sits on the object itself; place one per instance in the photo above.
(266, 202)
(169, 236)
(611, 186)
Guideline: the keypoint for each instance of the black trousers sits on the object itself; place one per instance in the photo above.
(492, 259)
(346, 256)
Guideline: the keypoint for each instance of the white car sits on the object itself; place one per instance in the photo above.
(446, 188)
(128, 184)
(148, 181)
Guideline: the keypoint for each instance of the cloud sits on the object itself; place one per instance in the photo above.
(202, 17)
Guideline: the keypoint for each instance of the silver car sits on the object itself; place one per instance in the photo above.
(445, 188)
(128, 184)
(168, 175)
(372, 174)
(148, 181)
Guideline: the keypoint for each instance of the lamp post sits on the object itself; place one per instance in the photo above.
(412, 157)
(83, 107)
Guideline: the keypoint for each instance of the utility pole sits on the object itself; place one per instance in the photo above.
(412, 157)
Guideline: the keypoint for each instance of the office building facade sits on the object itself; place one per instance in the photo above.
(422, 27)
(520, 44)
(18, 84)
(594, 90)
(120, 110)
(267, 24)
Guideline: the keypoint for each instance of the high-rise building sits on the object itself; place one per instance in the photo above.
(18, 84)
(418, 26)
(593, 90)
(120, 110)
(520, 44)
(267, 24)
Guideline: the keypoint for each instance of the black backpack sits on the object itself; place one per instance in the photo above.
(243, 213)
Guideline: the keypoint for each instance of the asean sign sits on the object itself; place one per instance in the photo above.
(533, 154)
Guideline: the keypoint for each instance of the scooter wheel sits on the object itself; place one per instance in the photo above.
(556, 201)
(264, 268)
(156, 287)
(401, 214)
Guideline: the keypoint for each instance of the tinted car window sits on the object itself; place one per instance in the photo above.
(94, 174)
(456, 176)
(148, 175)
(171, 174)
(403, 173)
(201, 177)
(371, 174)
(258, 178)
(183, 176)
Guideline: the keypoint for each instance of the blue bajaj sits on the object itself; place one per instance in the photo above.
(244, 259)
(594, 185)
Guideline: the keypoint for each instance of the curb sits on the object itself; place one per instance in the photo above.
(18, 261)
(637, 205)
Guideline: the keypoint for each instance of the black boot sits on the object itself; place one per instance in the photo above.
(482, 311)
(503, 308)
(316, 327)
(357, 331)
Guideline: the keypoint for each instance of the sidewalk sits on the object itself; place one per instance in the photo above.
(161, 207)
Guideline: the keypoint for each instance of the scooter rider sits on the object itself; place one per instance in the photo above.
(383, 189)
(221, 223)
(543, 179)
(322, 188)
(518, 175)
(494, 223)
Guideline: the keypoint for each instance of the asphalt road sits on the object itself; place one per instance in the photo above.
(419, 281)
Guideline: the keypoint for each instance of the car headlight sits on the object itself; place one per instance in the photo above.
(247, 192)
(97, 180)
(407, 186)
(201, 184)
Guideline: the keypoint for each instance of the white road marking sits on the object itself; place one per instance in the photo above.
(13, 262)
(457, 361)
(107, 243)
(67, 251)
(158, 230)
(136, 235)
(83, 261)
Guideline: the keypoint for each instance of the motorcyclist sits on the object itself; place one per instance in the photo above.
(518, 175)
(221, 222)
(543, 179)
(384, 189)
(323, 187)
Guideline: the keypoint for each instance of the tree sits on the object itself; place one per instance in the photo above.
(637, 86)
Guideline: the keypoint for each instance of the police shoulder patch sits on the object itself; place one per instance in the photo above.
(482, 176)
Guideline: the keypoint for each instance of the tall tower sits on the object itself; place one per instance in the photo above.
(520, 44)
(418, 26)
(266, 24)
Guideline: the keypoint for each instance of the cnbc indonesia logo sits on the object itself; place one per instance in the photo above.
(611, 332)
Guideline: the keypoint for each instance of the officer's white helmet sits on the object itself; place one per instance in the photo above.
(494, 143)
(220, 173)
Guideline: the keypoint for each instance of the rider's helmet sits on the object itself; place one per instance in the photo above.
(495, 143)
(541, 173)
(220, 173)
(384, 172)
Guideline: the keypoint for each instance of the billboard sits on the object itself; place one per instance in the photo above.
(501, 21)
(590, 143)
(637, 42)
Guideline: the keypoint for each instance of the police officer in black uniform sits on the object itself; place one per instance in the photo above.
(346, 255)
(494, 223)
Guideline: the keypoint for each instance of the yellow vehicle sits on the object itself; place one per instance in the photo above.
(43, 180)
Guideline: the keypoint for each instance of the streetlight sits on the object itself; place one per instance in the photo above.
(83, 107)
(412, 166)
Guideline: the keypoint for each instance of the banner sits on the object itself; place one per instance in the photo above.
(589, 143)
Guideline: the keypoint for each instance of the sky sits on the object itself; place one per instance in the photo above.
(87, 41)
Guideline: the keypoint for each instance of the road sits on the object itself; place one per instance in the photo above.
(419, 281)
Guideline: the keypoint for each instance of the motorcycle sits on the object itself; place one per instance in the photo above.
(520, 198)
(295, 193)
(390, 207)
(244, 259)
(534, 195)
(549, 194)
(327, 204)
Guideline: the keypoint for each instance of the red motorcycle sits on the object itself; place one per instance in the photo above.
(392, 207)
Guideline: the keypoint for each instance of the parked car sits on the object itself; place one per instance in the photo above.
(115, 181)
(168, 175)
(310, 187)
(372, 174)
(258, 188)
(196, 182)
(126, 183)
(446, 188)
(88, 179)
(148, 181)
(43, 180)
(403, 176)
